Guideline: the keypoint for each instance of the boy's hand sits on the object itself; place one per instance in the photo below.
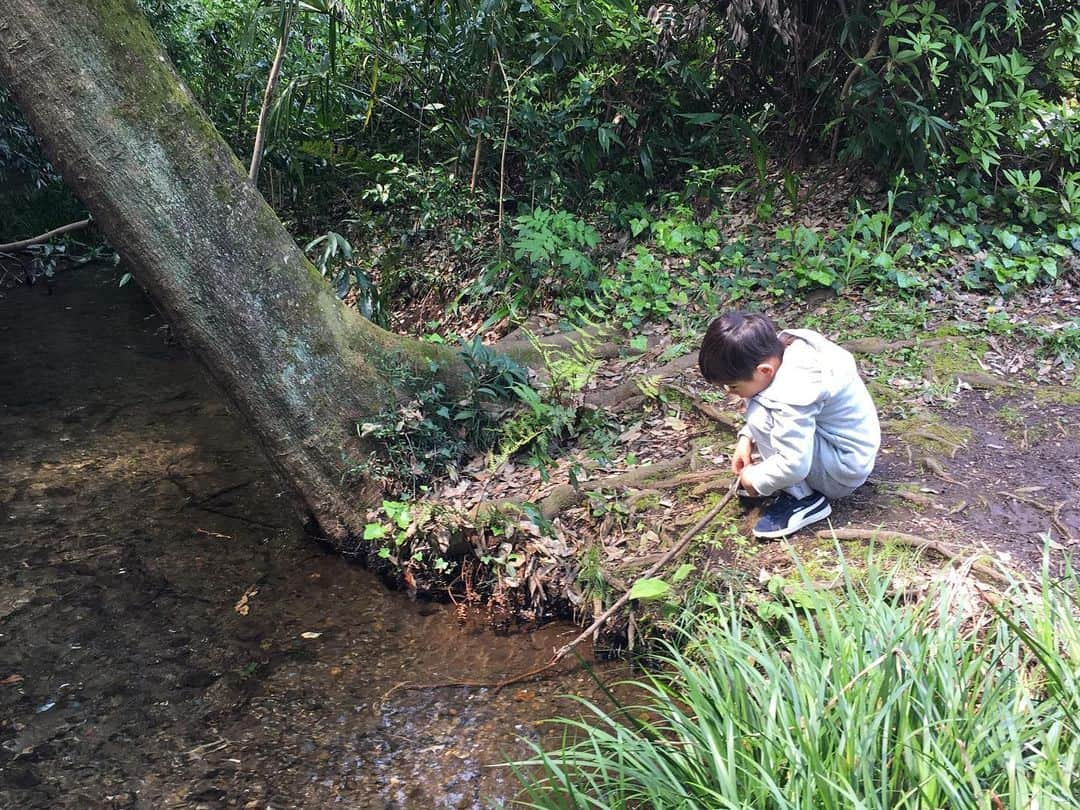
(741, 457)
(746, 485)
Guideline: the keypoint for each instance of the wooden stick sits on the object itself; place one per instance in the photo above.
(45, 237)
(680, 546)
(268, 96)
(675, 551)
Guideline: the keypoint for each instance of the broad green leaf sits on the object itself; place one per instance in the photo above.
(649, 588)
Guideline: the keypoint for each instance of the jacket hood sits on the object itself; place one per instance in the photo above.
(813, 366)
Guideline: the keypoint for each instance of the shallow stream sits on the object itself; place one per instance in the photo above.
(168, 636)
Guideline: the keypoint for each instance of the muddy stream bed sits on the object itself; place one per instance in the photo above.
(168, 635)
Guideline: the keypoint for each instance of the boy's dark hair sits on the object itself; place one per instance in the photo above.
(734, 345)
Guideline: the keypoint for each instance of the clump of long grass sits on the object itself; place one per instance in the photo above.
(864, 701)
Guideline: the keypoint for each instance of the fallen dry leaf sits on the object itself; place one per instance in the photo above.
(243, 607)
(11, 680)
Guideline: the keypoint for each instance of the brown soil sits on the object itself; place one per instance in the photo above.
(139, 523)
(1006, 480)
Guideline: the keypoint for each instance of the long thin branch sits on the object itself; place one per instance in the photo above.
(676, 550)
(506, 137)
(875, 45)
(268, 96)
(11, 247)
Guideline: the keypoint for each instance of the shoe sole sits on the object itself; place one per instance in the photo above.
(813, 516)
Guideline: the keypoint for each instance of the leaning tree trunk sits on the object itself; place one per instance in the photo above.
(131, 141)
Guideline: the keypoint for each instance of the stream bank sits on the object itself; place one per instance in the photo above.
(168, 636)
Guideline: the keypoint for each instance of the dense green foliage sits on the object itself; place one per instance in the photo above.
(32, 198)
(820, 700)
(499, 123)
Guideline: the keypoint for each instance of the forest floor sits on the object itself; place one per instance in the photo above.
(980, 452)
(170, 638)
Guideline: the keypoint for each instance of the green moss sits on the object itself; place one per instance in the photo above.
(1057, 395)
(955, 355)
(924, 432)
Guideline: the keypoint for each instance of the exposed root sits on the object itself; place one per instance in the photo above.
(566, 496)
(705, 408)
(527, 348)
(921, 543)
(1054, 511)
(875, 345)
(930, 436)
(608, 397)
(938, 469)
(916, 497)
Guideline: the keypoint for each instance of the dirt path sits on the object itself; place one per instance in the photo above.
(990, 481)
(168, 638)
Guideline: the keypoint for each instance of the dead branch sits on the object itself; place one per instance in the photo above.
(268, 97)
(706, 409)
(916, 542)
(875, 45)
(676, 551)
(11, 247)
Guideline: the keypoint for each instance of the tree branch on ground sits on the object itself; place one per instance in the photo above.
(921, 543)
(11, 247)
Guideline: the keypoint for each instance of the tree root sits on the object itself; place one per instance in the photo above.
(565, 496)
(938, 469)
(608, 397)
(1054, 511)
(527, 348)
(875, 345)
(916, 497)
(930, 436)
(917, 542)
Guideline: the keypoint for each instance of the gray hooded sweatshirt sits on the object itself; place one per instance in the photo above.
(815, 422)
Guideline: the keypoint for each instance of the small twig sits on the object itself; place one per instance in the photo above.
(45, 237)
(214, 534)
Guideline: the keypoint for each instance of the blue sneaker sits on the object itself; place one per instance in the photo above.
(788, 514)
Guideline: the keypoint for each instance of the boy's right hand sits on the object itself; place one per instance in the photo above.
(741, 457)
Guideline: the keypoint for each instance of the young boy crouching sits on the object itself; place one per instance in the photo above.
(808, 416)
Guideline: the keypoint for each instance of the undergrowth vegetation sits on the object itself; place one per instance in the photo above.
(853, 698)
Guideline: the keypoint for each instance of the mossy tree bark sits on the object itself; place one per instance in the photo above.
(167, 191)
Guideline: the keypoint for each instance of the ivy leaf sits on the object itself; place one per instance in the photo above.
(649, 588)
(373, 531)
(682, 572)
